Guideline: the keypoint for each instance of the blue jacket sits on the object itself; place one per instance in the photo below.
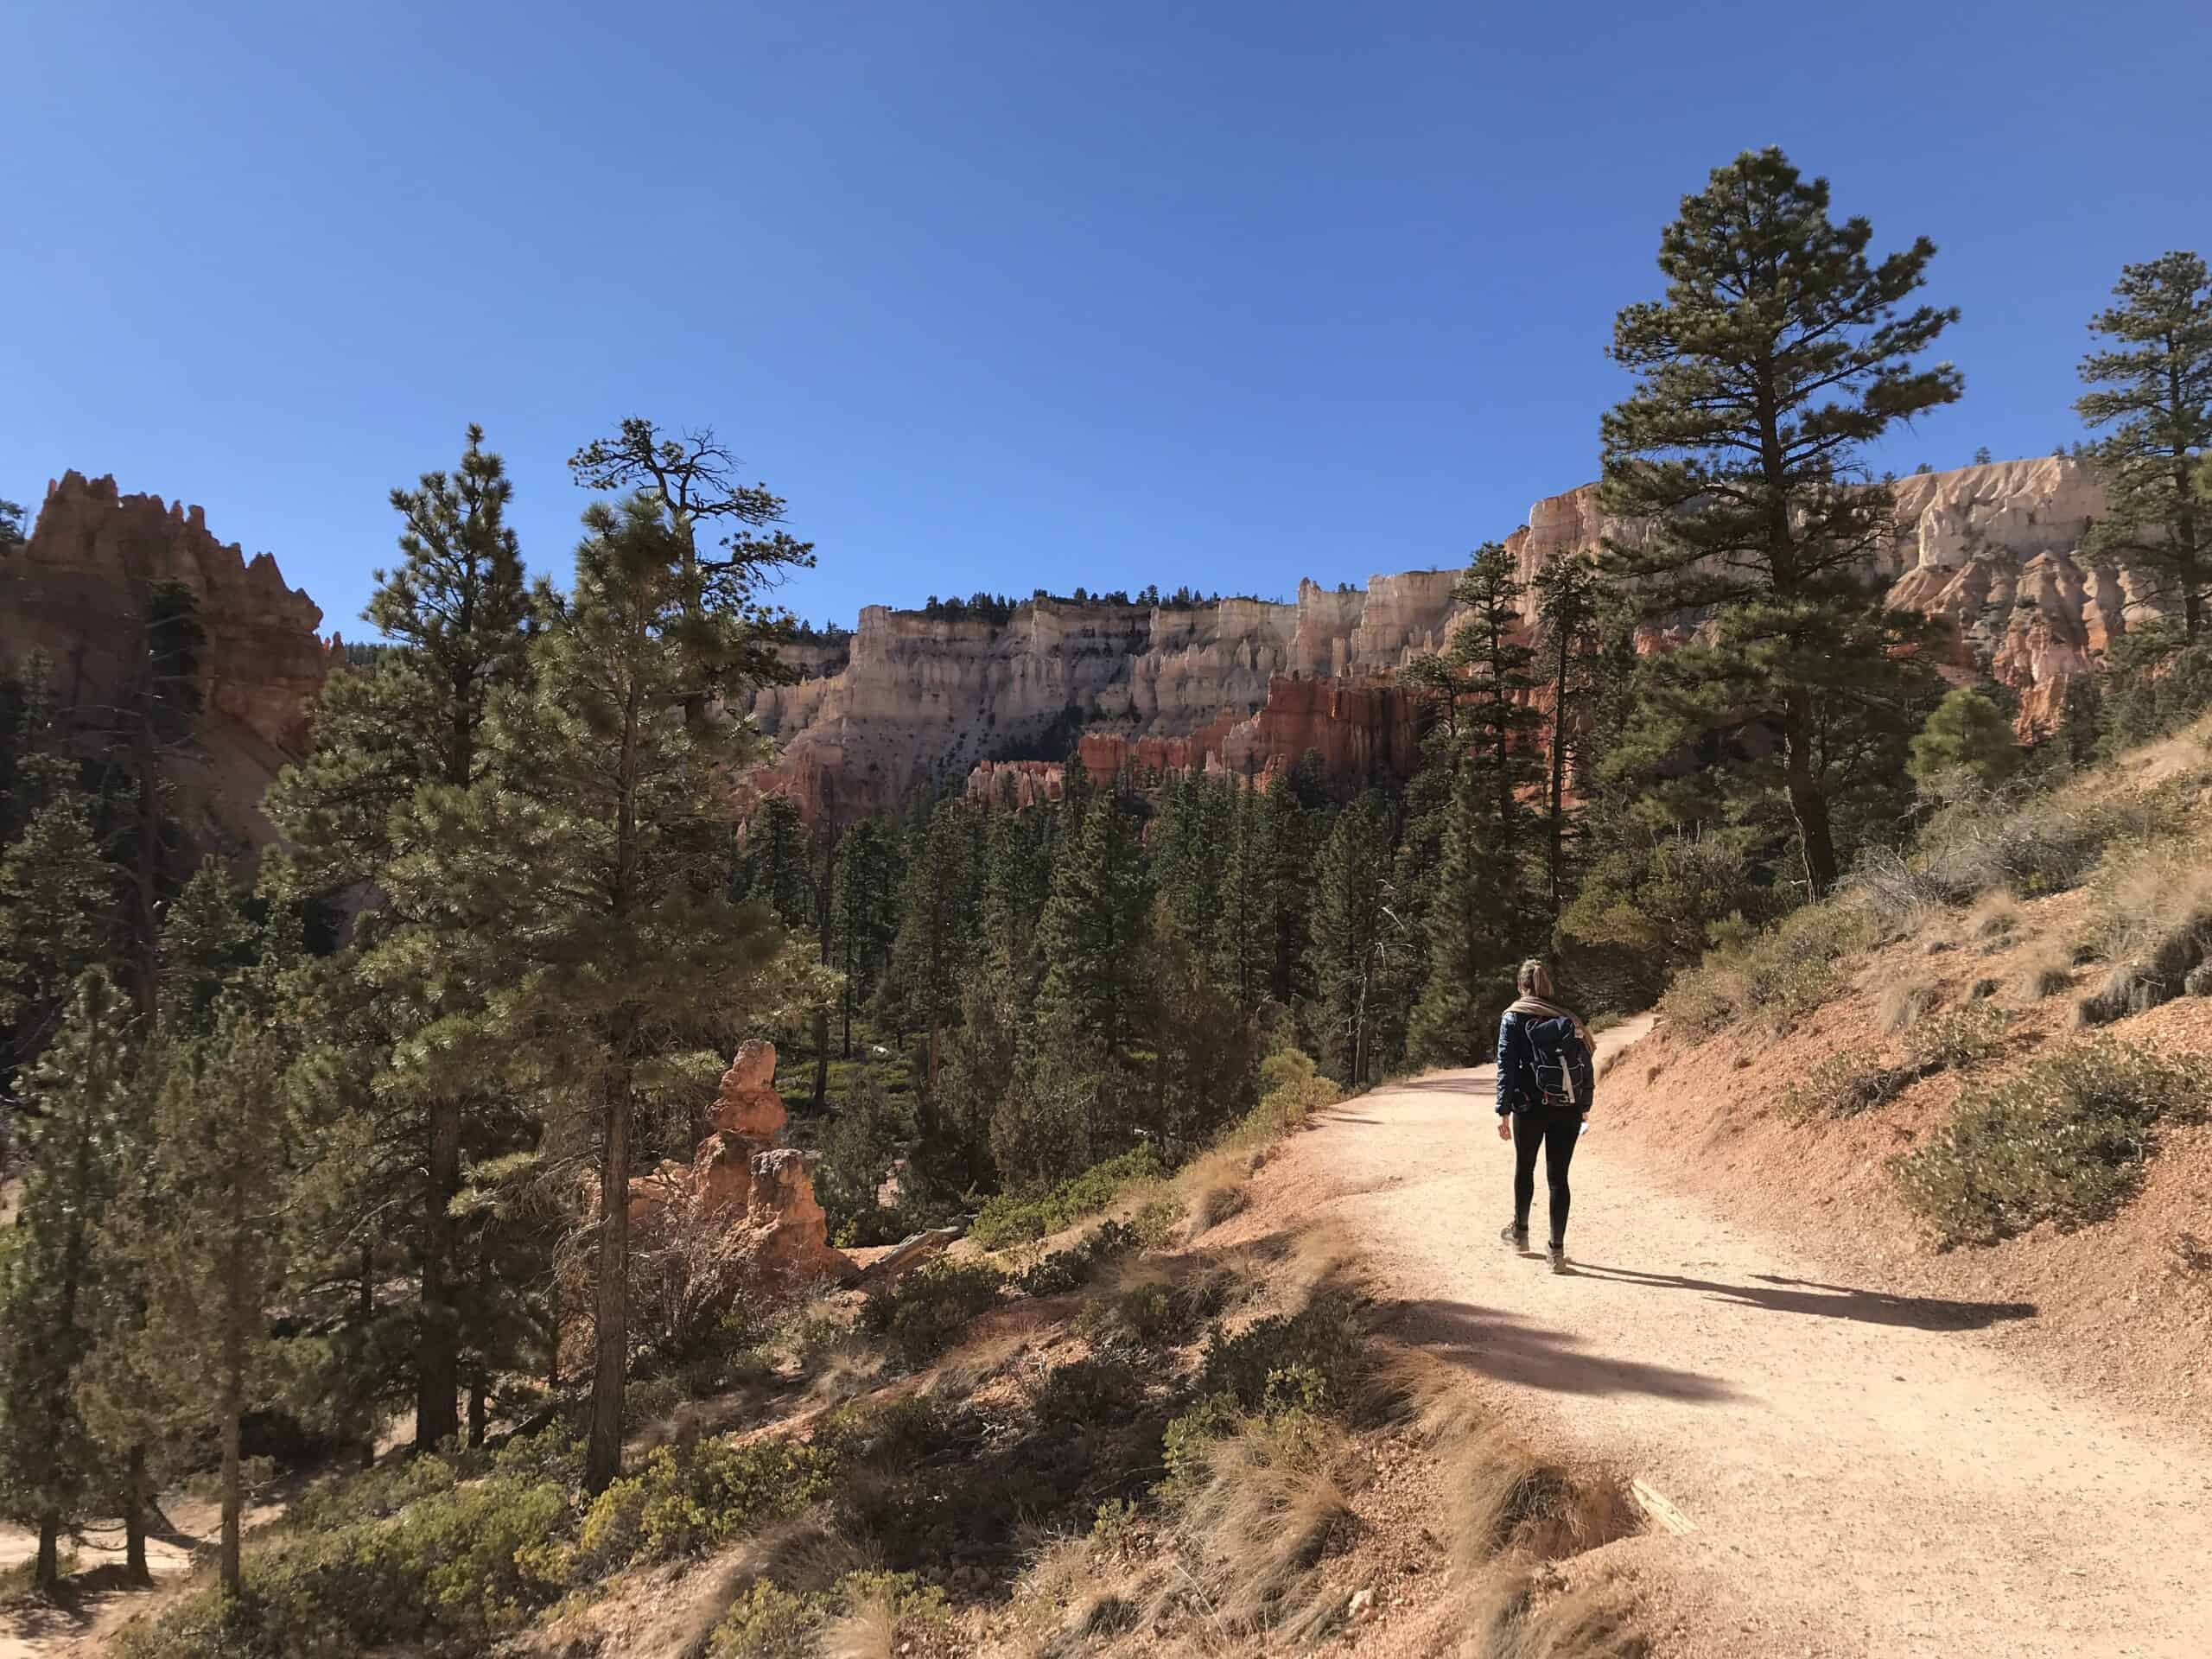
(1516, 1056)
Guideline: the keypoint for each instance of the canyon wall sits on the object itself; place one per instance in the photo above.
(1246, 686)
(76, 592)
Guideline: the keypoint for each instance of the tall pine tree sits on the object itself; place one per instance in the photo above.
(1777, 355)
(2152, 387)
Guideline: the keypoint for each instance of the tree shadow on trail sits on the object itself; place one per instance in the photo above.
(1783, 1295)
(1507, 1347)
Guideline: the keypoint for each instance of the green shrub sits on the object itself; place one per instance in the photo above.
(924, 1313)
(2064, 1141)
(1956, 1041)
(456, 1570)
(1077, 1265)
(689, 1499)
(1190, 1439)
(1779, 975)
(1013, 1219)
(1325, 1341)
(1102, 1389)
(769, 1623)
(1843, 1085)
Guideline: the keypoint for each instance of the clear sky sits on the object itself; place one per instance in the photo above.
(1004, 295)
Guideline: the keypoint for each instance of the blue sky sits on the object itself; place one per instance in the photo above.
(1003, 295)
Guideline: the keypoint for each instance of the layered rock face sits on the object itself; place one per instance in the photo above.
(1247, 686)
(77, 589)
(918, 698)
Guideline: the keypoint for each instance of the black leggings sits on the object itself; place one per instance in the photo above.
(1556, 1132)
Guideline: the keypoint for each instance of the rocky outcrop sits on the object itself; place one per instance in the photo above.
(1247, 685)
(76, 591)
(742, 1217)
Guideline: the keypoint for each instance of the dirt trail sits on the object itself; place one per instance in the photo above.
(1867, 1473)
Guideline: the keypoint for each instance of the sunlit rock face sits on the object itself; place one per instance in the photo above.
(1247, 686)
(76, 592)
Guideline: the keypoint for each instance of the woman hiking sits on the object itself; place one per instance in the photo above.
(1544, 1084)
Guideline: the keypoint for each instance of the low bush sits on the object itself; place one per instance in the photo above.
(687, 1499)
(1956, 1041)
(922, 1314)
(1323, 1347)
(769, 1621)
(1779, 975)
(2063, 1141)
(1843, 1085)
(1015, 1219)
(2039, 843)
(454, 1571)
(1062, 1271)
(1103, 1389)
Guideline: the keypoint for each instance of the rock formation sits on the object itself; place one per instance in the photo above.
(1246, 686)
(743, 1211)
(76, 591)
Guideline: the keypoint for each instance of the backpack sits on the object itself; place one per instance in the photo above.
(1556, 1054)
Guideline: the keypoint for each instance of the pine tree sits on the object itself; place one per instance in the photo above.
(2153, 388)
(937, 925)
(589, 868)
(80, 1097)
(457, 608)
(1778, 354)
(864, 917)
(206, 1231)
(1089, 937)
(1567, 611)
(1287, 850)
(57, 914)
(1244, 951)
(774, 867)
(1355, 927)
(1966, 732)
(1469, 931)
(207, 941)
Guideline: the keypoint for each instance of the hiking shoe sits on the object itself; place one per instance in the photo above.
(1559, 1258)
(1517, 1237)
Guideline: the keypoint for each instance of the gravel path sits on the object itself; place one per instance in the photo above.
(1866, 1473)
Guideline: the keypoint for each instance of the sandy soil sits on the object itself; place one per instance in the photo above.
(1869, 1470)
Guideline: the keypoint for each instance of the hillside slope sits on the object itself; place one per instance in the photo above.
(1867, 1470)
(2123, 1300)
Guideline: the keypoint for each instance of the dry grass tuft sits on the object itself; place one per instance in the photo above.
(2047, 971)
(1997, 917)
(2153, 922)
(1218, 1186)
(1903, 1003)
(1428, 1394)
(1514, 1620)
(1270, 1507)
(869, 1630)
(1506, 1500)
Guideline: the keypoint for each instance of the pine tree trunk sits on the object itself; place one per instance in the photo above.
(611, 1331)
(437, 1358)
(134, 1517)
(46, 1577)
(233, 1474)
(1807, 804)
(821, 1057)
(479, 1410)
